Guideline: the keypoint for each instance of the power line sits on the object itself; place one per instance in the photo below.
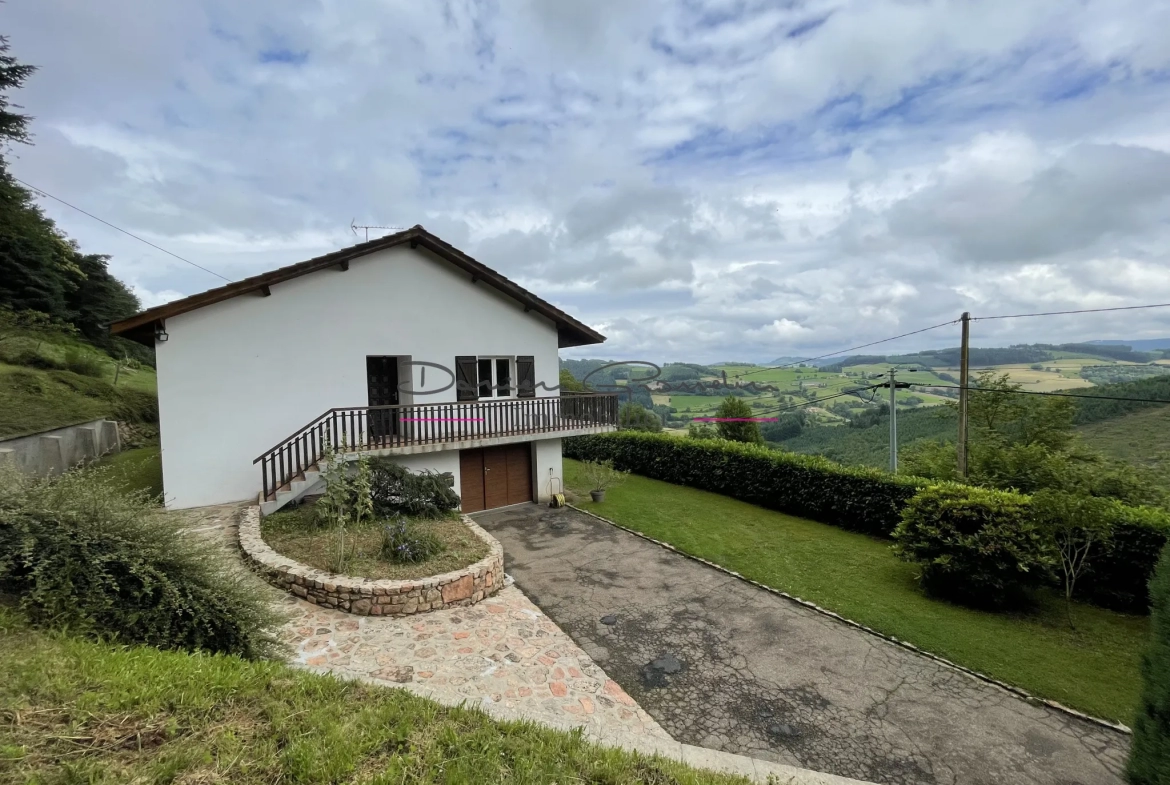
(842, 351)
(1062, 313)
(43, 192)
(1038, 392)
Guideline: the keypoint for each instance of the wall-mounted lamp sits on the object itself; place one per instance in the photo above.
(160, 334)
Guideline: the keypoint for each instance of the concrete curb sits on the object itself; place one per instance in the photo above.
(1019, 693)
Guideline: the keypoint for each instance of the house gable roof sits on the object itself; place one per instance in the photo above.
(141, 326)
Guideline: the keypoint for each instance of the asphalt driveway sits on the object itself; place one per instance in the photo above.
(722, 664)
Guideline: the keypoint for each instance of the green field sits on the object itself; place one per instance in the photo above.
(1094, 668)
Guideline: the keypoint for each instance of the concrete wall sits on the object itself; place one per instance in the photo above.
(56, 451)
(238, 377)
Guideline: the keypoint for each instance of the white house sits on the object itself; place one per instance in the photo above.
(401, 346)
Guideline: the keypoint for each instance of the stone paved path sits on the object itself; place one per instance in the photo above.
(722, 664)
(503, 654)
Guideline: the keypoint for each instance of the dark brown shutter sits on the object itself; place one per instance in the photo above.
(466, 379)
(526, 377)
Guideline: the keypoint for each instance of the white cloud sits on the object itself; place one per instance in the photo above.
(699, 179)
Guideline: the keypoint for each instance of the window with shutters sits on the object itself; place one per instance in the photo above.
(482, 378)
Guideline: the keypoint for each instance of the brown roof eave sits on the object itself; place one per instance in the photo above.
(571, 332)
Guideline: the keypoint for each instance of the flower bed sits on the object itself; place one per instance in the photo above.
(367, 597)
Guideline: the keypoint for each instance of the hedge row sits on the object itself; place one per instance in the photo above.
(859, 499)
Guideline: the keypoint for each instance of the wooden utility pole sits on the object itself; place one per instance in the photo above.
(964, 354)
(893, 423)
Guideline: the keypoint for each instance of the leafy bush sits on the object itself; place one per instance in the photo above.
(734, 409)
(1149, 755)
(83, 363)
(405, 542)
(633, 416)
(82, 554)
(398, 491)
(1117, 577)
(858, 499)
(977, 546)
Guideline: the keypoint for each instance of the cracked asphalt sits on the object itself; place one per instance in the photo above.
(722, 664)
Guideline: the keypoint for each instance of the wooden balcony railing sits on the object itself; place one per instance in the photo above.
(382, 427)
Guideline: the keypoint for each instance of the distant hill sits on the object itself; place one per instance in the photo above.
(1140, 345)
(787, 361)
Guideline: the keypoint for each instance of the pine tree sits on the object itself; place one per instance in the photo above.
(1149, 755)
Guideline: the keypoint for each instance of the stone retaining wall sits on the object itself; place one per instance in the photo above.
(367, 597)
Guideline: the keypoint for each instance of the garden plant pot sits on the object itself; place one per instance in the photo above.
(598, 496)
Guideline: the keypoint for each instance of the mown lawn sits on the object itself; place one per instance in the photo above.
(74, 711)
(1093, 668)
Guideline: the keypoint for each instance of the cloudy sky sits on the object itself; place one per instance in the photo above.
(701, 179)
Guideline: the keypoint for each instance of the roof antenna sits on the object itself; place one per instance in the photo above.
(354, 226)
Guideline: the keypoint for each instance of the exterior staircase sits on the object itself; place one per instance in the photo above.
(309, 483)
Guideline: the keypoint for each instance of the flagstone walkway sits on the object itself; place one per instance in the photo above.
(502, 654)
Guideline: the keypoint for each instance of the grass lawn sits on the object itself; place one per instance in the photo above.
(75, 711)
(294, 534)
(139, 469)
(1093, 668)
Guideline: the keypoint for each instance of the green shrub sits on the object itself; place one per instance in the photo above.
(82, 554)
(854, 498)
(1118, 577)
(1149, 755)
(398, 491)
(976, 546)
(138, 406)
(404, 542)
(83, 363)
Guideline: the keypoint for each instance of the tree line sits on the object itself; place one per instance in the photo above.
(41, 269)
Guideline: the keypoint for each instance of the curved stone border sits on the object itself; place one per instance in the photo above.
(1019, 693)
(367, 597)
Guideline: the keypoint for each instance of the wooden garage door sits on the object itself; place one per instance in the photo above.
(495, 476)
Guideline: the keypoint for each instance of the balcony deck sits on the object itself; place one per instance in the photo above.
(425, 427)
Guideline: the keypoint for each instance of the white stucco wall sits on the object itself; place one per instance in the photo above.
(546, 463)
(237, 377)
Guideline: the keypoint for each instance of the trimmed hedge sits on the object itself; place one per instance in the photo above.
(857, 499)
(1117, 578)
(854, 498)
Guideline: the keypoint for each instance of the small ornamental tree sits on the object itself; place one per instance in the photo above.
(1149, 754)
(734, 408)
(1080, 526)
